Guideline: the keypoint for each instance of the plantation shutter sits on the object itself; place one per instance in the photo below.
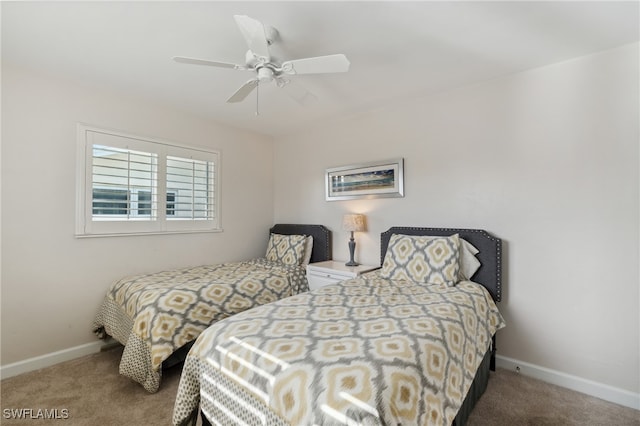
(123, 184)
(191, 182)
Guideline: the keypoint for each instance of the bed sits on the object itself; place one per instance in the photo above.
(410, 343)
(157, 316)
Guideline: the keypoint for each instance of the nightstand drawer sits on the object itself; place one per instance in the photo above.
(317, 281)
(332, 271)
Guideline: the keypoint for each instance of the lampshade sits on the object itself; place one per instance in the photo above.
(353, 222)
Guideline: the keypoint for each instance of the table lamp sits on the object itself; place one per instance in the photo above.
(353, 223)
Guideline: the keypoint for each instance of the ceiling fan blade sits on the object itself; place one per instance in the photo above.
(255, 35)
(195, 61)
(318, 65)
(243, 91)
(297, 92)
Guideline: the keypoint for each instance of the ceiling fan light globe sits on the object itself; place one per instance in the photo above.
(265, 74)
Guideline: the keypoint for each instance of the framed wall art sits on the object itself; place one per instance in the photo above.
(369, 180)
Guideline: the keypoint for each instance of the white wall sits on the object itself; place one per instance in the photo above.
(547, 160)
(53, 283)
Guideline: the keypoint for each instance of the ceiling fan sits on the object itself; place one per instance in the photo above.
(266, 68)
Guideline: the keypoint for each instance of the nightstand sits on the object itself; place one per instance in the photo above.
(320, 274)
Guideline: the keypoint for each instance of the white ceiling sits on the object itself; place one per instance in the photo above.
(397, 50)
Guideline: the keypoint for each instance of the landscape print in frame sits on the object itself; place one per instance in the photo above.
(368, 180)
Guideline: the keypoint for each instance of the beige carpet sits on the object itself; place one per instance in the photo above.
(93, 393)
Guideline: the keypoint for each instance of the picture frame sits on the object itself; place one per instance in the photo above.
(377, 179)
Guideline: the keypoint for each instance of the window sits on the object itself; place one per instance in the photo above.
(108, 201)
(128, 184)
(114, 202)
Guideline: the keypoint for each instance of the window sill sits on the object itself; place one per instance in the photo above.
(131, 234)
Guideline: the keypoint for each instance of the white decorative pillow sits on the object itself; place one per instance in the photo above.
(469, 264)
(422, 259)
(287, 249)
(308, 249)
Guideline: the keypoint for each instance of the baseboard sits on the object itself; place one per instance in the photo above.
(50, 359)
(578, 384)
(589, 387)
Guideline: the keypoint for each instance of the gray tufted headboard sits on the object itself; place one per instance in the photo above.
(321, 238)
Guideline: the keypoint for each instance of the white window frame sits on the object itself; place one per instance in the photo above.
(160, 224)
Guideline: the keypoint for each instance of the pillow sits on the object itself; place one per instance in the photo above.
(308, 249)
(422, 259)
(469, 264)
(287, 249)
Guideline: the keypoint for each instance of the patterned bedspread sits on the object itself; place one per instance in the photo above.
(155, 314)
(365, 351)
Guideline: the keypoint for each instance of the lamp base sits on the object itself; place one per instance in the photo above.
(352, 248)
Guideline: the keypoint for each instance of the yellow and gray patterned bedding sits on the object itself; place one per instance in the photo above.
(153, 315)
(369, 351)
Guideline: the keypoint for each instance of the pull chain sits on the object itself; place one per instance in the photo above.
(257, 97)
